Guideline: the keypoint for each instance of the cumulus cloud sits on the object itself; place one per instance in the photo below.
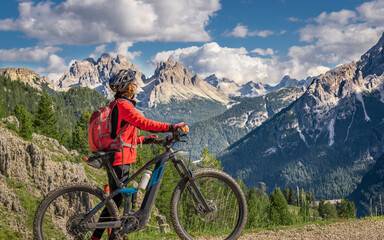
(98, 51)
(242, 31)
(263, 52)
(122, 48)
(55, 68)
(232, 63)
(29, 54)
(372, 12)
(101, 21)
(338, 37)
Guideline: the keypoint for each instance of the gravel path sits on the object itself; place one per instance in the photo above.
(357, 229)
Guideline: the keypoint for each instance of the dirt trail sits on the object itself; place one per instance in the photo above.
(358, 229)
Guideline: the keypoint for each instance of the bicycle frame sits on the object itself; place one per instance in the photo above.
(144, 212)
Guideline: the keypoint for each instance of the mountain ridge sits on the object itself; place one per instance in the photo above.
(333, 131)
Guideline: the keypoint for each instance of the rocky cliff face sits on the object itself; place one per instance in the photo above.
(25, 75)
(327, 139)
(95, 74)
(28, 170)
(173, 81)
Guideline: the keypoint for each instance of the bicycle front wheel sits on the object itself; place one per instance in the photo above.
(58, 215)
(229, 209)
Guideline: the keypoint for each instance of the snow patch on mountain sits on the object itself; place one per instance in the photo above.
(331, 129)
(349, 127)
(302, 137)
(359, 96)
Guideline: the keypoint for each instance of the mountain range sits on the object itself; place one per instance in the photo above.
(326, 140)
(251, 88)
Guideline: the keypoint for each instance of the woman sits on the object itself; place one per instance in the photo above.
(124, 86)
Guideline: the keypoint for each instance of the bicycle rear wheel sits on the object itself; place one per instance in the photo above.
(222, 193)
(58, 215)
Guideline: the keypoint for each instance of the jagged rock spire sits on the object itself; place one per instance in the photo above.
(372, 62)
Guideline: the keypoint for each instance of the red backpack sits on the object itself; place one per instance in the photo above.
(100, 127)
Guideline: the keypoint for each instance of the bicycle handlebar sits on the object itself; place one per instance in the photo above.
(174, 137)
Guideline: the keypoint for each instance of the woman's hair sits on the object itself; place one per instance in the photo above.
(130, 93)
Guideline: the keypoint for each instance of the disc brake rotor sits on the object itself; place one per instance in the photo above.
(73, 226)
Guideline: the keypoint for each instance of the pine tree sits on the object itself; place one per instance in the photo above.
(257, 209)
(351, 210)
(80, 135)
(45, 118)
(208, 161)
(310, 198)
(286, 194)
(291, 199)
(301, 197)
(278, 213)
(321, 208)
(262, 188)
(330, 211)
(304, 212)
(25, 120)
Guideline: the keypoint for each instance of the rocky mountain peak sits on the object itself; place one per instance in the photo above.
(172, 80)
(372, 62)
(96, 74)
(25, 75)
(253, 89)
(173, 72)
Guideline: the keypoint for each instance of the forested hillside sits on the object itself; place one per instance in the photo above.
(218, 132)
(68, 106)
(369, 194)
(188, 111)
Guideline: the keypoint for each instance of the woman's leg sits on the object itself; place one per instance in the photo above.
(122, 173)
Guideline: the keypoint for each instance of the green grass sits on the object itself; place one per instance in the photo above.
(96, 176)
(28, 201)
(5, 231)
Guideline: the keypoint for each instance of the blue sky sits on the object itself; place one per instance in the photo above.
(244, 40)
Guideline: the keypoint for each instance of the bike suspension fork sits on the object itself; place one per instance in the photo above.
(193, 189)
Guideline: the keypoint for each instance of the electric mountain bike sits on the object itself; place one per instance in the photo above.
(205, 202)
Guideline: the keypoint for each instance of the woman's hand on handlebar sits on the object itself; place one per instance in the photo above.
(182, 126)
(151, 139)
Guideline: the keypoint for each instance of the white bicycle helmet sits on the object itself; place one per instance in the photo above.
(120, 80)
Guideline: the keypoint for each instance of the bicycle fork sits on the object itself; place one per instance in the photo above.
(193, 189)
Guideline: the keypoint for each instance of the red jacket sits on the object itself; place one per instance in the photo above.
(128, 114)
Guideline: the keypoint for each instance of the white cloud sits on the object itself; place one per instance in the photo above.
(98, 51)
(56, 67)
(29, 54)
(372, 12)
(239, 31)
(122, 48)
(242, 31)
(263, 52)
(294, 19)
(232, 63)
(338, 37)
(101, 21)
